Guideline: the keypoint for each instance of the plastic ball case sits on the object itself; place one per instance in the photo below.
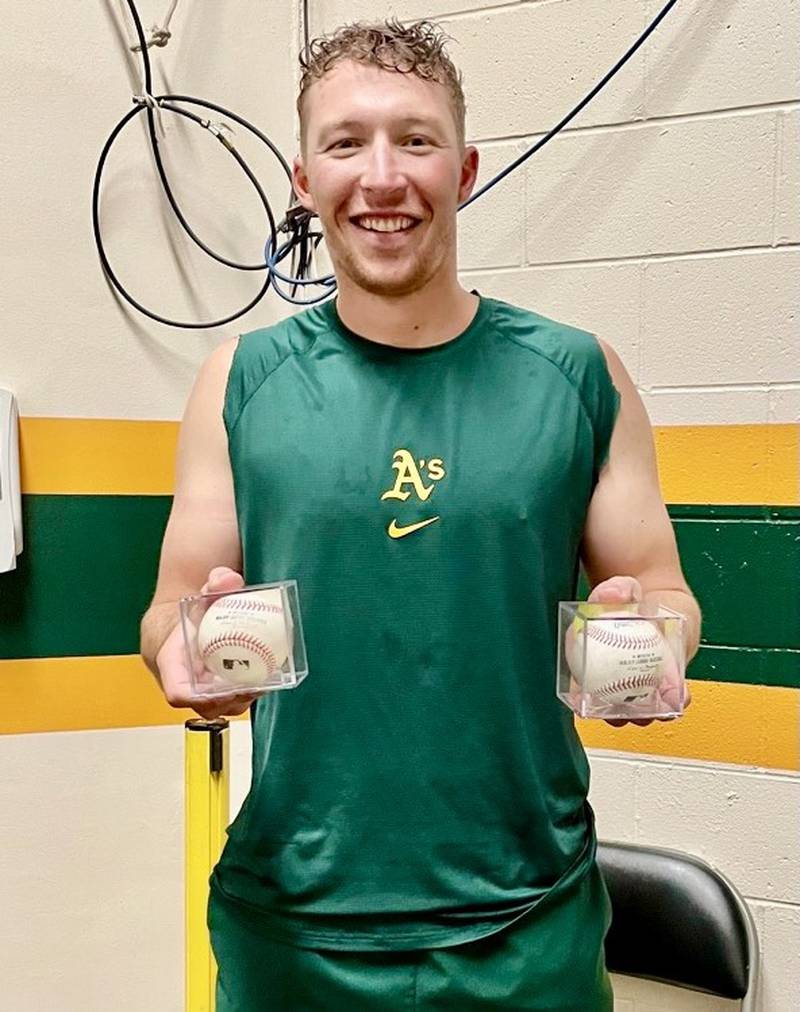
(624, 662)
(244, 640)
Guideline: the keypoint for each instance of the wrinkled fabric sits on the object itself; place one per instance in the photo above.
(552, 962)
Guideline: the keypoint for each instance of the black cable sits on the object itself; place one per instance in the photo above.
(584, 101)
(164, 102)
(99, 241)
(302, 239)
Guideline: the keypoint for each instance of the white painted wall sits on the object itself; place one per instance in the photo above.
(68, 348)
(666, 219)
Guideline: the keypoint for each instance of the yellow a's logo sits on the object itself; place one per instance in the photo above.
(409, 474)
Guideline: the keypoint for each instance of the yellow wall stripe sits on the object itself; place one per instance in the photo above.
(81, 694)
(97, 456)
(729, 465)
(751, 725)
(729, 723)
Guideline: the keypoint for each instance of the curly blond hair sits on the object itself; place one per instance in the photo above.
(417, 48)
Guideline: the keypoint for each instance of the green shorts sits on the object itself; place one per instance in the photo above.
(551, 958)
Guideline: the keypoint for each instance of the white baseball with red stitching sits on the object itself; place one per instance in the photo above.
(242, 637)
(624, 658)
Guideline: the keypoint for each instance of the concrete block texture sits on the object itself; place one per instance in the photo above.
(784, 404)
(326, 15)
(724, 55)
(706, 405)
(491, 231)
(746, 823)
(780, 966)
(542, 57)
(669, 188)
(71, 347)
(525, 65)
(721, 320)
(612, 795)
(648, 996)
(241, 750)
(92, 870)
(601, 298)
(787, 179)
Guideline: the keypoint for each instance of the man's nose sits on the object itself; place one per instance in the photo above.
(382, 172)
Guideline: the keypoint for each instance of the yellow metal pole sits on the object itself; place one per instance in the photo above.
(207, 753)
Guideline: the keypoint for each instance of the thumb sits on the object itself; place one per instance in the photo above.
(222, 578)
(617, 590)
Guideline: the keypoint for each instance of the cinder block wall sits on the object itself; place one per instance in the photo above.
(664, 219)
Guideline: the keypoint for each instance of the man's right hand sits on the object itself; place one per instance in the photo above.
(175, 676)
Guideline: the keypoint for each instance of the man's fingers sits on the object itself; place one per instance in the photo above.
(608, 595)
(222, 578)
(229, 704)
(617, 590)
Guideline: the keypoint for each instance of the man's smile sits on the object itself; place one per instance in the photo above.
(385, 223)
(384, 229)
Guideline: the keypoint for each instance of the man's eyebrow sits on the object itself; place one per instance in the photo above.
(355, 124)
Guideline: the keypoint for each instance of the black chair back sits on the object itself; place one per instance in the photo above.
(678, 921)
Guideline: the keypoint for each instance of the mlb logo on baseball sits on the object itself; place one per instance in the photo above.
(616, 661)
(249, 639)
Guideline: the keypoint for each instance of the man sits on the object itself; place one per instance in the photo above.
(429, 465)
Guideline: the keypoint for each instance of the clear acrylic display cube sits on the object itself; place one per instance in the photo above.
(244, 640)
(623, 662)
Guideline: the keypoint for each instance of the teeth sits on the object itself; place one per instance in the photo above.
(386, 224)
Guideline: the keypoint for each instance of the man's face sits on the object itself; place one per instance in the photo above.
(383, 168)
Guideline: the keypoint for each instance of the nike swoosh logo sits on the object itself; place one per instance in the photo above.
(400, 532)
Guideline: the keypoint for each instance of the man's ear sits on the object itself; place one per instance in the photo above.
(469, 173)
(300, 185)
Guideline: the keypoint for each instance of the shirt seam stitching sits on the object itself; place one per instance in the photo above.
(575, 387)
(293, 353)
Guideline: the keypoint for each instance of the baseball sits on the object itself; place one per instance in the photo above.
(624, 657)
(243, 637)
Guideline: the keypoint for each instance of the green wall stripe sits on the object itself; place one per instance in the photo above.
(90, 563)
(745, 575)
(754, 666)
(778, 514)
(85, 577)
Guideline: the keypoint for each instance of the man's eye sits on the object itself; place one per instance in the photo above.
(345, 142)
(418, 142)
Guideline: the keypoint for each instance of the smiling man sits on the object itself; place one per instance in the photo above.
(385, 167)
(430, 465)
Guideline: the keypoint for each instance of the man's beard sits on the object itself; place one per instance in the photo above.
(387, 282)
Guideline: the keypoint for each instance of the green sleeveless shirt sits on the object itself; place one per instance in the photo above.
(423, 786)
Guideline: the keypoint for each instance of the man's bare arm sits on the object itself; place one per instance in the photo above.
(202, 532)
(628, 531)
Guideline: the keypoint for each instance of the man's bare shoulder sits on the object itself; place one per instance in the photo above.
(221, 358)
(212, 376)
(631, 404)
(615, 364)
